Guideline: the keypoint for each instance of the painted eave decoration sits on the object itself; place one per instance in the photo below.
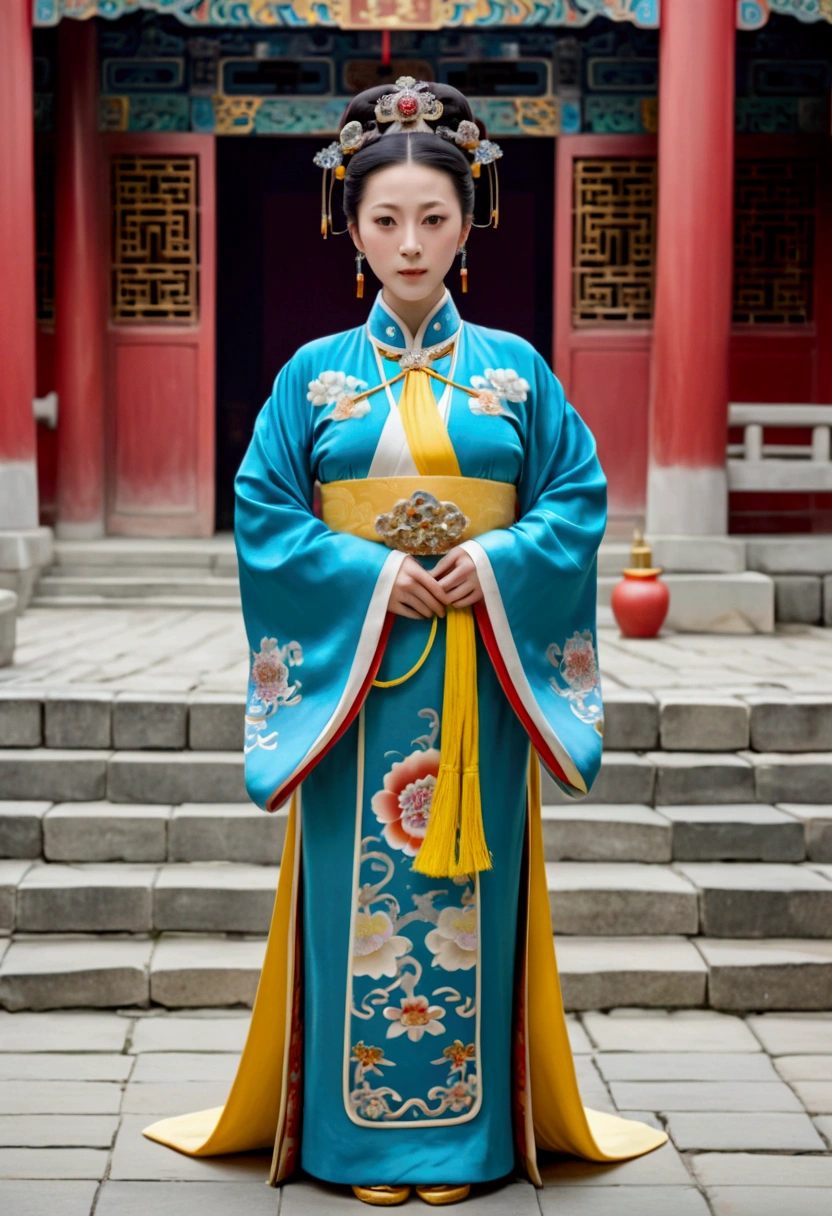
(362, 14)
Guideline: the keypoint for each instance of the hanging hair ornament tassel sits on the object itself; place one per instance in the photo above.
(463, 270)
(359, 277)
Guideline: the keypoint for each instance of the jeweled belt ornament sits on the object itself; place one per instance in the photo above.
(422, 525)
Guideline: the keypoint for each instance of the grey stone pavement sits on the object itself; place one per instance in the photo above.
(186, 650)
(747, 1102)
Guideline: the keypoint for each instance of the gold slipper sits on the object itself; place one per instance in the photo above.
(439, 1195)
(382, 1196)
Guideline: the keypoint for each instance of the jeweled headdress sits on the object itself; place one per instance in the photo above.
(407, 109)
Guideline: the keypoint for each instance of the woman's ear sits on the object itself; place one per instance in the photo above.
(352, 228)
(466, 230)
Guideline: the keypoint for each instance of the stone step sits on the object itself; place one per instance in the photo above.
(190, 971)
(191, 603)
(52, 587)
(634, 721)
(200, 553)
(588, 899)
(102, 831)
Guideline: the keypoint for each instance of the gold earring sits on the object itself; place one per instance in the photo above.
(359, 276)
(463, 270)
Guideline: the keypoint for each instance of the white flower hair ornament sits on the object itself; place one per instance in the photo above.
(408, 108)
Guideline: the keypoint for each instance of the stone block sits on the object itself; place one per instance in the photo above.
(60, 1097)
(816, 1096)
(661, 1168)
(214, 897)
(21, 828)
(226, 832)
(683, 1030)
(684, 1066)
(176, 777)
(759, 1169)
(50, 773)
(602, 973)
(767, 1201)
(11, 874)
(155, 1067)
(805, 1068)
(798, 598)
(56, 1163)
(629, 1201)
(726, 1132)
(75, 1032)
(620, 899)
(817, 825)
(789, 554)
(757, 901)
(585, 832)
(102, 831)
(139, 1198)
(137, 1157)
(702, 778)
(78, 719)
(215, 1034)
(631, 720)
(162, 1100)
(705, 1096)
(150, 720)
(216, 721)
(197, 972)
(34, 1196)
(57, 1131)
(697, 723)
(780, 777)
(62, 1066)
(21, 717)
(9, 607)
(827, 599)
(750, 832)
(699, 554)
(625, 777)
(87, 898)
(800, 722)
(784, 1035)
(67, 973)
(741, 603)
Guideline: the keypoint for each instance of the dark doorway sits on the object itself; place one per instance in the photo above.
(280, 285)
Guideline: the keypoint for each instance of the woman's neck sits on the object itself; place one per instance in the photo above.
(412, 312)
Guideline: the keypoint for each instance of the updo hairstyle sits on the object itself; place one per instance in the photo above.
(418, 147)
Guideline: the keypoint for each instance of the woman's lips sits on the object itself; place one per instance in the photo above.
(412, 274)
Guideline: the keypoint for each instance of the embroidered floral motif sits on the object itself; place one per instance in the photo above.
(422, 524)
(577, 677)
(486, 402)
(503, 382)
(403, 806)
(368, 1059)
(454, 940)
(340, 390)
(459, 1094)
(270, 676)
(458, 1055)
(415, 1018)
(375, 949)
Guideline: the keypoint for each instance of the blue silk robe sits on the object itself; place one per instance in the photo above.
(401, 1020)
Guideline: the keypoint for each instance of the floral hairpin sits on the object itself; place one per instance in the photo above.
(408, 108)
(331, 159)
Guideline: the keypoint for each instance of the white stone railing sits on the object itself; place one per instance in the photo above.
(754, 465)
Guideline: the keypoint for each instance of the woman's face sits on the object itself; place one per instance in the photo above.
(410, 226)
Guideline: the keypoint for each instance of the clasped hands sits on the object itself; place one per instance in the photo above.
(421, 594)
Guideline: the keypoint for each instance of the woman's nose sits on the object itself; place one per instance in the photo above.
(410, 244)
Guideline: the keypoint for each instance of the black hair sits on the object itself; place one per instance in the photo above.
(420, 147)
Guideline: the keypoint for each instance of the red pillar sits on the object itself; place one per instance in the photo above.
(687, 491)
(80, 258)
(18, 463)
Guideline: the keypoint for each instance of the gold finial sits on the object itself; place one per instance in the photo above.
(641, 555)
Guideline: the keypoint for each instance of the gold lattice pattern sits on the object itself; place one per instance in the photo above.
(774, 241)
(155, 270)
(614, 209)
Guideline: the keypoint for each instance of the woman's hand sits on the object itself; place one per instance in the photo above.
(456, 575)
(416, 592)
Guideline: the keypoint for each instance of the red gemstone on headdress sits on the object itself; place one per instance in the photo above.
(407, 106)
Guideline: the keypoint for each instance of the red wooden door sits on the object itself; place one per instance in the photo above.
(604, 243)
(160, 348)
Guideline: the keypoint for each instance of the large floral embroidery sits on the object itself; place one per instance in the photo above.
(340, 390)
(270, 677)
(577, 677)
(441, 926)
(498, 385)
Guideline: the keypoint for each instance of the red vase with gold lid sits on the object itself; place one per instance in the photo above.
(640, 601)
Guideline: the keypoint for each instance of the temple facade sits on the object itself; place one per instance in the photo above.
(665, 239)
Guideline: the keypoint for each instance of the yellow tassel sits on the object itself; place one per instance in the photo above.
(455, 841)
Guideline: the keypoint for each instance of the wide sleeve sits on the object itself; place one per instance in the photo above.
(539, 579)
(314, 601)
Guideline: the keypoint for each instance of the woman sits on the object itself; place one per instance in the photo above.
(408, 1027)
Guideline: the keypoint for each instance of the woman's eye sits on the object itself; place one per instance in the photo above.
(386, 221)
(433, 220)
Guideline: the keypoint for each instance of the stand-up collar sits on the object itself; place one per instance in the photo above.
(441, 325)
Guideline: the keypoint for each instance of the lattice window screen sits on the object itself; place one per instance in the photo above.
(775, 204)
(155, 246)
(614, 246)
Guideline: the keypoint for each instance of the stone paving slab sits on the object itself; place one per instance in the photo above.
(630, 1201)
(137, 1158)
(644, 1066)
(749, 1130)
(61, 1032)
(174, 1066)
(29, 1198)
(43, 1065)
(161, 1100)
(767, 1201)
(59, 1097)
(187, 1199)
(761, 1169)
(816, 1096)
(661, 1167)
(68, 1130)
(683, 1030)
(783, 1034)
(53, 1163)
(824, 1125)
(189, 1034)
(804, 1068)
(705, 1096)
